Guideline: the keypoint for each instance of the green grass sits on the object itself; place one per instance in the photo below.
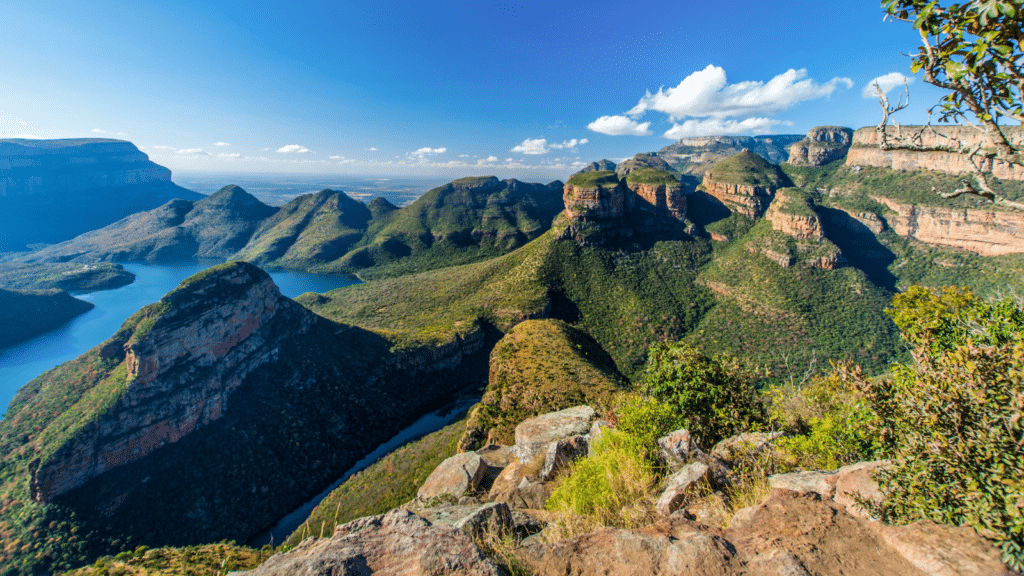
(595, 179)
(64, 276)
(651, 176)
(749, 169)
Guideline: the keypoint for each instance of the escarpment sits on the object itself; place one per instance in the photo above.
(183, 358)
(930, 155)
(822, 145)
(984, 232)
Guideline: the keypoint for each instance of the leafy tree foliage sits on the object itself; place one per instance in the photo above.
(714, 395)
(951, 422)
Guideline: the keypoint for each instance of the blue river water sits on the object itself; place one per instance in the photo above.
(25, 361)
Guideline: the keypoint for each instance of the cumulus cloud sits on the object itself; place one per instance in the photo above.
(222, 144)
(427, 151)
(541, 146)
(620, 126)
(192, 152)
(293, 149)
(371, 149)
(886, 83)
(229, 156)
(485, 161)
(336, 157)
(532, 146)
(163, 147)
(719, 127)
(492, 158)
(707, 93)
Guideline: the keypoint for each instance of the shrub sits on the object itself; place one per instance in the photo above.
(611, 487)
(713, 395)
(647, 419)
(828, 423)
(952, 421)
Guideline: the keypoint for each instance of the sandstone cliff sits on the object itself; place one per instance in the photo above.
(52, 190)
(984, 232)
(744, 183)
(865, 151)
(791, 213)
(822, 145)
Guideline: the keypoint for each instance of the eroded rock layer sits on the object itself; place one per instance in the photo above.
(865, 150)
(984, 232)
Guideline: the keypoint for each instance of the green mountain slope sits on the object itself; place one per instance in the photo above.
(25, 313)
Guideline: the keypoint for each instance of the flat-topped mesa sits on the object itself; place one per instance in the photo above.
(744, 183)
(183, 358)
(790, 213)
(43, 167)
(823, 145)
(595, 196)
(931, 140)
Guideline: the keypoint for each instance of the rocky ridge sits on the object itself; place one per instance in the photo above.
(865, 150)
(811, 522)
(697, 155)
(744, 183)
(984, 232)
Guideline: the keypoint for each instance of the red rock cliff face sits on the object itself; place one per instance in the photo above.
(662, 199)
(865, 151)
(984, 232)
(751, 201)
(822, 145)
(799, 226)
(600, 203)
(180, 376)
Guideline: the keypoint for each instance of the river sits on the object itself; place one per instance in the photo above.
(23, 362)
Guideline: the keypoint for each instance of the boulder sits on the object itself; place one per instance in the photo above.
(398, 543)
(494, 518)
(676, 448)
(679, 486)
(534, 435)
(562, 453)
(857, 481)
(507, 482)
(453, 477)
(822, 483)
(743, 446)
(942, 550)
(531, 495)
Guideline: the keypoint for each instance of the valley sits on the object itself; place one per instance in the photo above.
(549, 295)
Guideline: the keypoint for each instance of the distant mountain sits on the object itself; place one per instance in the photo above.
(465, 221)
(215, 227)
(695, 155)
(53, 190)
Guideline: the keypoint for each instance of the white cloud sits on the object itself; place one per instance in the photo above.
(886, 83)
(492, 158)
(707, 93)
(371, 149)
(426, 151)
(100, 131)
(571, 144)
(229, 156)
(293, 149)
(620, 126)
(532, 146)
(486, 161)
(719, 127)
(192, 152)
(163, 147)
(222, 144)
(336, 157)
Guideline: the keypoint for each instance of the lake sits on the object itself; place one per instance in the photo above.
(25, 361)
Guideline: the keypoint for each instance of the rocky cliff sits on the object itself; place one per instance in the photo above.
(697, 155)
(744, 183)
(984, 232)
(52, 190)
(865, 151)
(822, 145)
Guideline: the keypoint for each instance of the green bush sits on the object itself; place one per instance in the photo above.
(715, 397)
(828, 424)
(952, 421)
(647, 419)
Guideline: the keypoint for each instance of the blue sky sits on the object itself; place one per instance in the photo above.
(521, 89)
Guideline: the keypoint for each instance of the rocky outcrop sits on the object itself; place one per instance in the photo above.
(597, 198)
(823, 145)
(184, 359)
(454, 477)
(984, 232)
(751, 201)
(599, 166)
(53, 190)
(659, 198)
(649, 160)
(792, 214)
(398, 543)
(930, 140)
(744, 183)
(535, 434)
